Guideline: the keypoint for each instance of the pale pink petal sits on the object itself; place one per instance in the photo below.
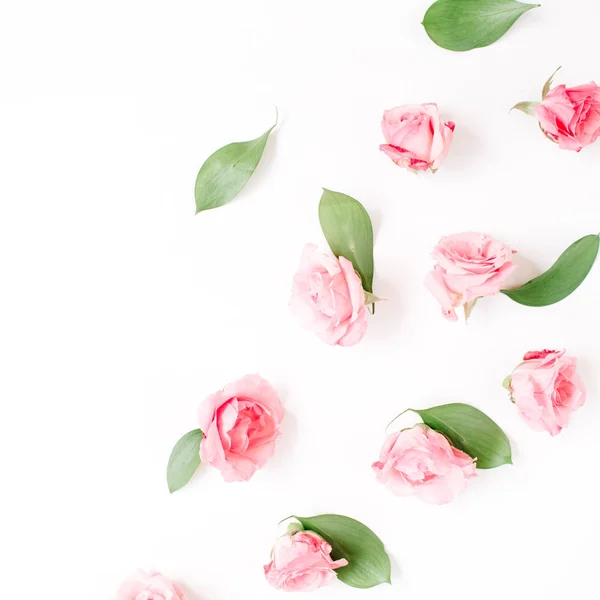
(400, 156)
(447, 133)
(356, 330)
(257, 389)
(447, 299)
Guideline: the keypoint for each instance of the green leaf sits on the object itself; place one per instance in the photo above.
(368, 562)
(562, 278)
(466, 24)
(348, 230)
(184, 459)
(526, 107)
(225, 172)
(548, 83)
(471, 431)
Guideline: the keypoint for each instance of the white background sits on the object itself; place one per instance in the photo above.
(121, 310)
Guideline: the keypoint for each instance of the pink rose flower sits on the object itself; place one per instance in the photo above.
(571, 116)
(416, 137)
(547, 389)
(469, 266)
(301, 563)
(240, 425)
(149, 586)
(328, 298)
(421, 462)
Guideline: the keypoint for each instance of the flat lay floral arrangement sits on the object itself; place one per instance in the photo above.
(439, 449)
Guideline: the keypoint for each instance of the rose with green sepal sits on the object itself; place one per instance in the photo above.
(470, 266)
(317, 549)
(547, 389)
(567, 116)
(239, 426)
(435, 459)
(330, 293)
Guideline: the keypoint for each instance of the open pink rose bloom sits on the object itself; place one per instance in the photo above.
(547, 390)
(571, 116)
(468, 266)
(149, 586)
(421, 462)
(328, 298)
(416, 137)
(241, 426)
(301, 563)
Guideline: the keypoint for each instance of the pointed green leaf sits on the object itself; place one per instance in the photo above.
(368, 562)
(226, 171)
(348, 230)
(471, 431)
(526, 107)
(562, 278)
(548, 83)
(466, 24)
(184, 459)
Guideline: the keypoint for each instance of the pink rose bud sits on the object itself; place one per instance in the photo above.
(468, 266)
(421, 462)
(547, 389)
(240, 425)
(416, 137)
(149, 586)
(301, 563)
(571, 116)
(328, 298)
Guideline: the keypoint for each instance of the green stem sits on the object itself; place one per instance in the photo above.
(395, 419)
